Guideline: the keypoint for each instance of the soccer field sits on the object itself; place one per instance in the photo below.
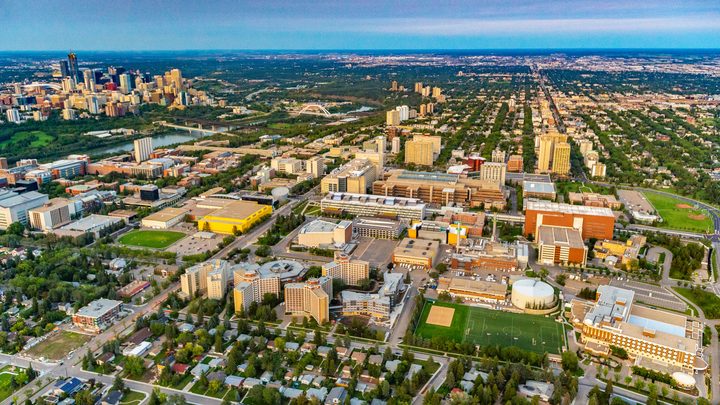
(488, 327)
(151, 239)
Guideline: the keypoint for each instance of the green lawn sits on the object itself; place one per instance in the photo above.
(59, 345)
(6, 388)
(132, 398)
(676, 216)
(707, 301)
(488, 327)
(151, 239)
(37, 139)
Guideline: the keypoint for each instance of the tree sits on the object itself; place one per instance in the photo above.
(569, 361)
(84, 397)
(134, 366)
(119, 384)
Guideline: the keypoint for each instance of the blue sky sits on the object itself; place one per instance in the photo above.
(360, 24)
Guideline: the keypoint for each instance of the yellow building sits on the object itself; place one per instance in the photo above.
(393, 118)
(416, 253)
(436, 141)
(206, 278)
(561, 158)
(419, 152)
(546, 151)
(237, 216)
(311, 298)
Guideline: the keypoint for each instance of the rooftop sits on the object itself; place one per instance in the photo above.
(91, 222)
(417, 247)
(319, 225)
(237, 210)
(369, 199)
(560, 236)
(166, 214)
(538, 187)
(541, 205)
(98, 307)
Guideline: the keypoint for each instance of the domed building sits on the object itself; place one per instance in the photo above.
(532, 294)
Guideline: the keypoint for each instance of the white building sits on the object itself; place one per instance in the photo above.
(13, 115)
(142, 149)
(14, 207)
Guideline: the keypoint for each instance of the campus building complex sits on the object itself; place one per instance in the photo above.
(311, 298)
(660, 337)
(441, 189)
(368, 205)
(354, 177)
(416, 253)
(561, 245)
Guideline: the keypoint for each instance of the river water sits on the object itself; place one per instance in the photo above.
(158, 141)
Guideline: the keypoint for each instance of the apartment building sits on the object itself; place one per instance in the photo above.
(199, 278)
(311, 298)
(251, 286)
(374, 306)
(350, 271)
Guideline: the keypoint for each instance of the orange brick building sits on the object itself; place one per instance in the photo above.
(593, 222)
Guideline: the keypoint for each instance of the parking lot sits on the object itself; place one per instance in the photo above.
(653, 295)
(194, 244)
(376, 251)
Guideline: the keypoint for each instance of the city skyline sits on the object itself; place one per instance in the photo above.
(323, 25)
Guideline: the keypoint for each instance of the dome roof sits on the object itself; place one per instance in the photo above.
(533, 288)
(684, 380)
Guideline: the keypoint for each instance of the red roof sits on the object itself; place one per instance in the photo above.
(180, 368)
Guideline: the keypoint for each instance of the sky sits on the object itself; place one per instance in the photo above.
(360, 24)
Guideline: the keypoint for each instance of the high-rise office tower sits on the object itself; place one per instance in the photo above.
(126, 83)
(176, 77)
(561, 158)
(184, 98)
(93, 105)
(142, 149)
(64, 69)
(74, 72)
(68, 84)
(89, 79)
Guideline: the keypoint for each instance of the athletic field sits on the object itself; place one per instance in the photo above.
(488, 327)
(151, 239)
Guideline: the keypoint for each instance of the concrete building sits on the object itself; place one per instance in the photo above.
(311, 298)
(593, 222)
(595, 200)
(374, 306)
(441, 189)
(287, 165)
(55, 213)
(547, 154)
(14, 207)
(659, 337)
(165, 218)
(474, 290)
(369, 205)
(498, 156)
(416, 253)
(561, 158)
(324, 233)
(251, 286)
(494, 172)
(532, 294)
(94, 224)
(378, 228)
(97, 315)
(238, 216)
(561, 245)
(350, 271)
(515, 163)
(142, 148)
(539, 189)
(315, 166)
(199, 278)
(355, 176)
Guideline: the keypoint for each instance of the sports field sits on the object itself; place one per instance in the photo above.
(151, 239)
(488, 327)
(677, 214)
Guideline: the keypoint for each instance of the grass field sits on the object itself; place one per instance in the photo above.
(38, 139)
(6, 388)
(151, 239)
(487, 327)
(132, 398)
(676, 214)
(59, 345)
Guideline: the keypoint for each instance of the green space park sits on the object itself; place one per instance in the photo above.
(487, 327)
(677, 214)
(151, 239)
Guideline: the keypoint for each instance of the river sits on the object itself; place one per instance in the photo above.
(158, 141)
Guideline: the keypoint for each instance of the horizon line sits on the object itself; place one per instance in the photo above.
(368, 49)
